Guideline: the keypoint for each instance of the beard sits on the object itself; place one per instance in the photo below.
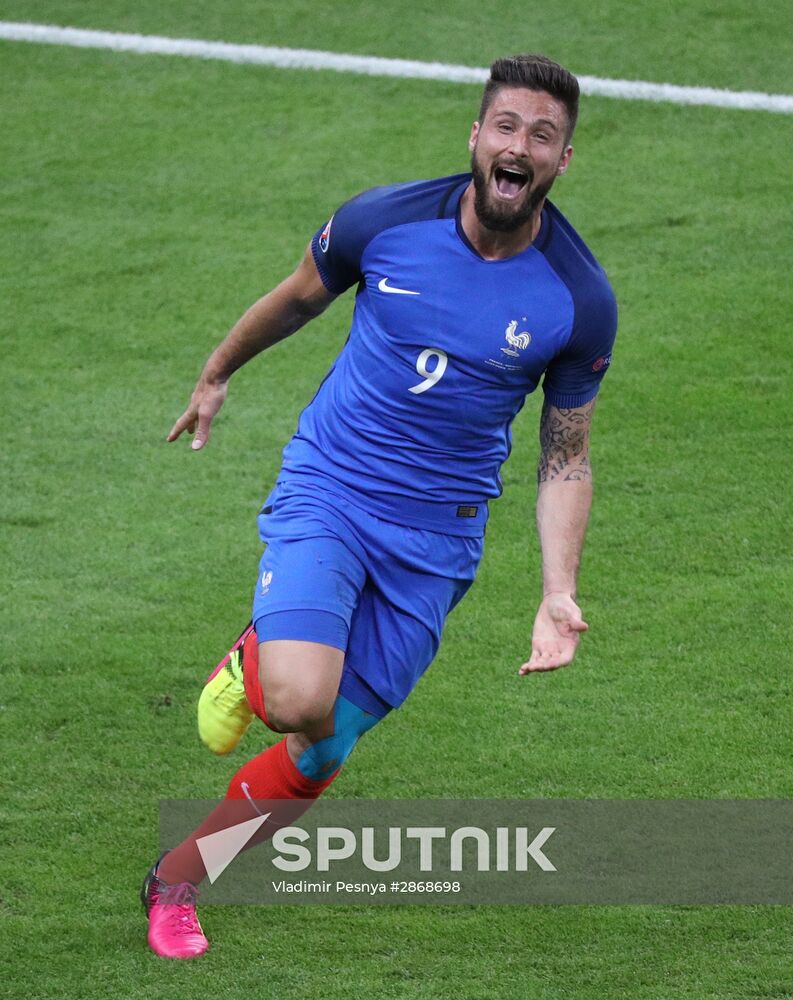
(504, 217)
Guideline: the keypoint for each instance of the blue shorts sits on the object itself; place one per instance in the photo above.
(334, 573)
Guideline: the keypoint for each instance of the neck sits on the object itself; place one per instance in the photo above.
(494, 244)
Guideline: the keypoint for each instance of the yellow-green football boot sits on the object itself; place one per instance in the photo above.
(223, 710)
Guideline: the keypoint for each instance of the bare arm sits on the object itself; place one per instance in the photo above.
(281, 312)
(564, 497)
(564, 479)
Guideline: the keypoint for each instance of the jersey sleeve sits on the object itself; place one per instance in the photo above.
(339, 245)
(574, 376)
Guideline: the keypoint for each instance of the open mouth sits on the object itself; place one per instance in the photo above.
(510, 182)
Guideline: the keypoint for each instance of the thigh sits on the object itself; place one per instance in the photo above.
(309, 582)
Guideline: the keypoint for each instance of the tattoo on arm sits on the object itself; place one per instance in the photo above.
(564, 443)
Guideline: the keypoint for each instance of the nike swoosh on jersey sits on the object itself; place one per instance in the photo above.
(385, 287)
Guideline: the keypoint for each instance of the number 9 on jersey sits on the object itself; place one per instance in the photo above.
(430, 377)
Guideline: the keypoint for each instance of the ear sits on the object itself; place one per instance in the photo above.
(473, 136)
(564, 163)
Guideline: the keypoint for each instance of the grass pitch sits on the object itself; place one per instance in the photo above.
(146, 202)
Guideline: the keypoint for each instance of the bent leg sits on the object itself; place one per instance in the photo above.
(294, 772)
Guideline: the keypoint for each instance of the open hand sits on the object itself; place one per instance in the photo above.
(205, 402)
(557, 629)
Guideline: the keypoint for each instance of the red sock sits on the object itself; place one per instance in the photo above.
(250, 676)
(270, 776)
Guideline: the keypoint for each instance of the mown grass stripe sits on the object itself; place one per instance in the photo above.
(286, 58)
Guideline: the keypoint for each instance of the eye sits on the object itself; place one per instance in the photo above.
(504, 127)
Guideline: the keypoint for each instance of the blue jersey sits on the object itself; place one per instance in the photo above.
(414, 416)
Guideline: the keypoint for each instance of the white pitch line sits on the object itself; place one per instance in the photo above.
(264, 55)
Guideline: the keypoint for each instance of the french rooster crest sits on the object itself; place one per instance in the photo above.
(518, 341)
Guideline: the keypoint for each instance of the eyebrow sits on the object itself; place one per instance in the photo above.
(546, 122)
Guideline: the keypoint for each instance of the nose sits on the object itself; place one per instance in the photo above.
(519, 145)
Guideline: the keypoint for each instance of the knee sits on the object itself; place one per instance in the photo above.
(299, 681)
(293, 708)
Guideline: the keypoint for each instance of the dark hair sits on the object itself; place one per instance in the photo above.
(534, 72)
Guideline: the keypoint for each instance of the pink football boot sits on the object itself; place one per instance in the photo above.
(174, 930)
